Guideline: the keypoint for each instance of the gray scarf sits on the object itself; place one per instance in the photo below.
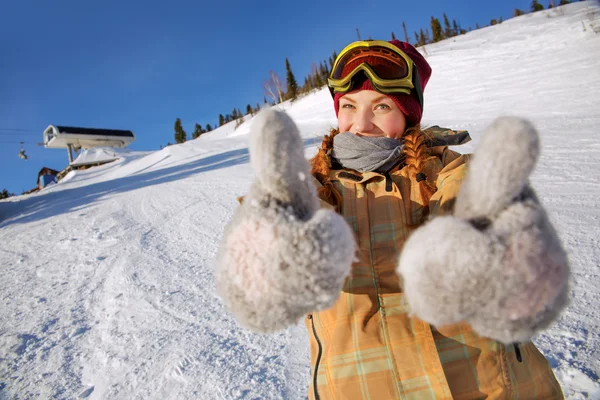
(366, 154)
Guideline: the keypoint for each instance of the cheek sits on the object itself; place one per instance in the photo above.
(393, 127)
(344, 122)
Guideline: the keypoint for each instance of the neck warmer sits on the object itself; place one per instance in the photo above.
(367, 154)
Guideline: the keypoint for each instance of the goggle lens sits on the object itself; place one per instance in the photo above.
(384, 62)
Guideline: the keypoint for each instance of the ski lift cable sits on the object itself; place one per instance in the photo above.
(17, 130)
(23, 142)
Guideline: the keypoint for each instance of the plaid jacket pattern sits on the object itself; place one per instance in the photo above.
(368, 346)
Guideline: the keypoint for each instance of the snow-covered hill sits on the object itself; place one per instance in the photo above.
(106, 287)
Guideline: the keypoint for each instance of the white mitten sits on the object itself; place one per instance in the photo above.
(497, 263)
(281, 256)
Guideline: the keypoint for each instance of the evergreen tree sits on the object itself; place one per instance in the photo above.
(405, 32)
(4, 194)
(436, 29)
(518, 12)
(234, 114)
(427, 37)
(493, 22)
(197, 131)
(249, 110)
(500, 20)
(221, 120)
(324, 72)
(292, 85)
(476, 25)
(455, 28)
(563, 2)
(416, 39)
(536, 6)
(422, 38)
(180, 135)
(447, 29)
(317, 81)
(393, 36)
(208, 128)
(257, 107)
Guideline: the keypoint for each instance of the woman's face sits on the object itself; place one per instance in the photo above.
(370, 113)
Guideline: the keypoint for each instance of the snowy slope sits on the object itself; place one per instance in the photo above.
(106, 287)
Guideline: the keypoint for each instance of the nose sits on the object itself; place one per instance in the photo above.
(363, 121)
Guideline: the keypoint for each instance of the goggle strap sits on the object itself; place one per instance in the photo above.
(417, 85)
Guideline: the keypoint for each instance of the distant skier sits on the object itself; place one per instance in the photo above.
(422, 273)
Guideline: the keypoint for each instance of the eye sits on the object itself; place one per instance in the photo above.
(347, 105)
(382, 106)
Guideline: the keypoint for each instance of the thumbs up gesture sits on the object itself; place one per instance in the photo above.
(281, 256)
(496, 263)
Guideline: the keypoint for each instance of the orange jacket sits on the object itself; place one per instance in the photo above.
(368, 346)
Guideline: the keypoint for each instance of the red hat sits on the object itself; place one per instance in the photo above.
(408, 103)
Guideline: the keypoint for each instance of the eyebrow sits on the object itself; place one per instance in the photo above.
(375, 100)
(379, 98)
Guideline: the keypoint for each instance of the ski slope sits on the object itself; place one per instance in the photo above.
(106, 288)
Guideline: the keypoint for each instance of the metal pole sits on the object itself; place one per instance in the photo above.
(70, 149)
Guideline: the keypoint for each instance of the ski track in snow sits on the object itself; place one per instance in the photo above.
(106, 286)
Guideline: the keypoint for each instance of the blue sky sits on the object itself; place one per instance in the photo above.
(140, 65)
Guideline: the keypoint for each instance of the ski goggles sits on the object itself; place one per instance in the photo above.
(388, 68)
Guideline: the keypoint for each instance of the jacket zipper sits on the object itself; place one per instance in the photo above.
(518, 352)
(388, 182)
(312, 321)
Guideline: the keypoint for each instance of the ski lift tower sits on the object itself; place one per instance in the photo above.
(73, 138)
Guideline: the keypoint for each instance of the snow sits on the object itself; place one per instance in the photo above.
(106, 288)
(98, 155)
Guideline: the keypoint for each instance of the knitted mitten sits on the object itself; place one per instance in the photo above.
(281, 256)
(497, 263)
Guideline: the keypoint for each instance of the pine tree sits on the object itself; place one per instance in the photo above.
(324, 72)
(436, 29)
(563, 2)
(427, 37)
(476, 25)
(536, 6)
(518, 12)
(292, 85)
(447, 29)
(316, 75)
(422, 38)
(208, 128)
(455, 28)
(180, 135)
(221, 120)
(393, 36)
(493, 22)
(197, 131)
(249, 110)
(416, 39)
(405, 32)
(5, 194)
(234, 114)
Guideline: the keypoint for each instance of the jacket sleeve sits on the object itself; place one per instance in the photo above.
(448, 183)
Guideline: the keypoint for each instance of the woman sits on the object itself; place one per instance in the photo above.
(397, 306)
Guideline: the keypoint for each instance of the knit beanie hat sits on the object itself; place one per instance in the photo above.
(408, 103)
